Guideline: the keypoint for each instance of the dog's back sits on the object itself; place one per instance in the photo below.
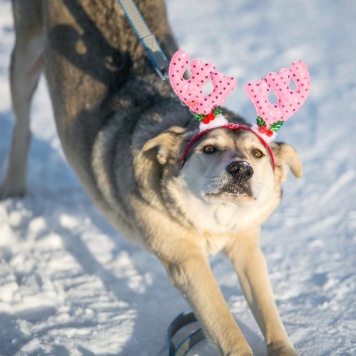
(91, 52)
(91, 58)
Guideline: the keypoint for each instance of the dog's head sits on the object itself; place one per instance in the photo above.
(227, 181)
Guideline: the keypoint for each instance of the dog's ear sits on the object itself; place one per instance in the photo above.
(286, 155)
(168, 144)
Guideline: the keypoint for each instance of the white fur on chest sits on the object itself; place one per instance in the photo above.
(224, 218)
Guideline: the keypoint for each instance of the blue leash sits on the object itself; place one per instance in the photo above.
(158, 59)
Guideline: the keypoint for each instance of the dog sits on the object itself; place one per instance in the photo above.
(124, 135)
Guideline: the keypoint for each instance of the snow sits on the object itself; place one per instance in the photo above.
(70, 285)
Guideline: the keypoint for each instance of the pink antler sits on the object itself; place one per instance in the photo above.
(190, 91)
(272, 116)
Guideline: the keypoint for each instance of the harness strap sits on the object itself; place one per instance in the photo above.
(158, 60)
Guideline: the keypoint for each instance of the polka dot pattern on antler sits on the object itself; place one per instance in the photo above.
(190, 91)
(289, 100)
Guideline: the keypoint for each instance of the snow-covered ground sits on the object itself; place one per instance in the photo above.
(70, 285)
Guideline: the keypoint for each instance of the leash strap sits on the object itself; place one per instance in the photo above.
(187, 343)
(147, 38)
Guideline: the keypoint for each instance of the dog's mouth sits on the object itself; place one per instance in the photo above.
(233, 190)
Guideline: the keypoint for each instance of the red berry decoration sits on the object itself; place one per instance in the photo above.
(208, 118)
(262, 129)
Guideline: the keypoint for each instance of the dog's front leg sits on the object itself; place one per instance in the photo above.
(189, 271)
(245, 253)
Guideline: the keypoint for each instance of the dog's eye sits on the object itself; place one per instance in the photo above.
(209, 149)
(257, 153)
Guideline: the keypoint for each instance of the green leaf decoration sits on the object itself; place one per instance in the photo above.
(260, 121)
(217, 110)
(199, 117)
(276, 126)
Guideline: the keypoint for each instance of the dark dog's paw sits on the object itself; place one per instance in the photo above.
(10, 191)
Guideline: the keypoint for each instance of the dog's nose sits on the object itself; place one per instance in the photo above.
(240, 169)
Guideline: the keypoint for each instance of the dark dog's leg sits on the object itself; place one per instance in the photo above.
(25, 70)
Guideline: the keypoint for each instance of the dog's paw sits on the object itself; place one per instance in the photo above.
(10, 190)
(280, 348)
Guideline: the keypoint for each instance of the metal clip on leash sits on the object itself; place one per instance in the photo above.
(147, 38)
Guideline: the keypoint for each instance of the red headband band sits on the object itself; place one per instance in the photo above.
(231, 127)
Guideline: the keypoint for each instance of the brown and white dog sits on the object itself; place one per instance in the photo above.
(124, 135)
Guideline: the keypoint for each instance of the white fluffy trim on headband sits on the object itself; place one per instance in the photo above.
(217, 122)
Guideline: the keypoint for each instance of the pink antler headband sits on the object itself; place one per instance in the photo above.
(207, 108)
(272, 116)
(191, 90)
